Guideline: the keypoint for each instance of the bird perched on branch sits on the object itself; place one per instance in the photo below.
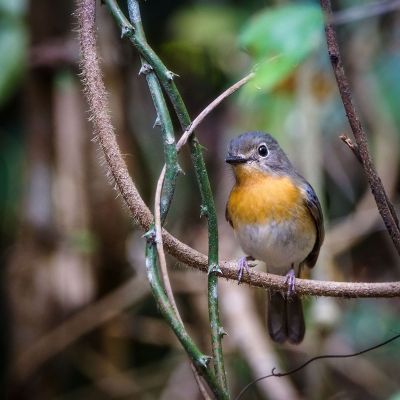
(277, 219)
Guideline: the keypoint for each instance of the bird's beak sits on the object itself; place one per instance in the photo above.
(236, 160)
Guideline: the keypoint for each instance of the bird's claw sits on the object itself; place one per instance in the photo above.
(291, 282)
(244, 264)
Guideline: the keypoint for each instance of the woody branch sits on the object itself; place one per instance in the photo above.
(383, 203)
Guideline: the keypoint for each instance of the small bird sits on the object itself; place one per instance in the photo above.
(277, 219)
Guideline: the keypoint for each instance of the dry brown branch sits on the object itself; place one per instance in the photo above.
(97, 99)
(382, 201)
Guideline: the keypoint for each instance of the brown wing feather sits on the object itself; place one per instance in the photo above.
(227, 217)
(315, 210)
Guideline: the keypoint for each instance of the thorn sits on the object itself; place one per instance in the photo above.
(145, 69)
(125, 30)
(170, 75)
(353, 147)
(222, 332)
(157, 122)
(150, 236)
(214, 269)
(203, 211)
(204, 360)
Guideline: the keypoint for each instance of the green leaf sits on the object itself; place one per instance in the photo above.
(13, 41)
(205, 26)
(280, 38)
(13, 8)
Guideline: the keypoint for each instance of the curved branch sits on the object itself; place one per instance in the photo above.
(97, 99)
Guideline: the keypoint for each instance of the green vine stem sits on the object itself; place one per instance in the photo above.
(165, 194)
(198, 359)
(207, 207)
(136, 36)
(171, 159)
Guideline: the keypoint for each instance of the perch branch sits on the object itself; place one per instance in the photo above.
(385, 207)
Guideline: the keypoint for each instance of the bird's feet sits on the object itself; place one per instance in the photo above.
(291, 282)
(243, 264)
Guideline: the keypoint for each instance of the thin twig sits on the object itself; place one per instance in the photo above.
(196, 122)
(356, 13)
(182, 141)
(309, 361)
(159, 243)
(385, 208)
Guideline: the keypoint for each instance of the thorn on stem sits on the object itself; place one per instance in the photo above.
(353, 147)
(203, 211)
(214, 268)
(170, 75)
(204, 360)
(145, 69)
(125, 30)
(150, 236)
(222, 332)
(157, 122)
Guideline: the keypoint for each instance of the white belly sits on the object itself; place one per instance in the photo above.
(280, 245)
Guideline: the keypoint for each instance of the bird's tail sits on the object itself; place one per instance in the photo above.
(285, 318)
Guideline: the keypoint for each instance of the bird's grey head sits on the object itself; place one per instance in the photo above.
(257, 150)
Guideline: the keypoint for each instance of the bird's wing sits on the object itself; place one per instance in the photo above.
(227, 217)
(314, 207)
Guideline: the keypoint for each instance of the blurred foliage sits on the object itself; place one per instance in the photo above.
(386, 70)
(279, 38)
(13, 45)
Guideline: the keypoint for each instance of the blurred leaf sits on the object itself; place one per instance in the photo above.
(13, 7)
(13, 42)
(280, 38)
(11, 157)
(209, 31)
(387, 69)
(396, 396)
(204, 25)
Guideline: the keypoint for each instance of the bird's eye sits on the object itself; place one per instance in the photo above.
(262, 150)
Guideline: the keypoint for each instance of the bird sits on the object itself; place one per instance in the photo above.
(277, 219)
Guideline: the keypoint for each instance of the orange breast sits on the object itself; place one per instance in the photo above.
(258, 197)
